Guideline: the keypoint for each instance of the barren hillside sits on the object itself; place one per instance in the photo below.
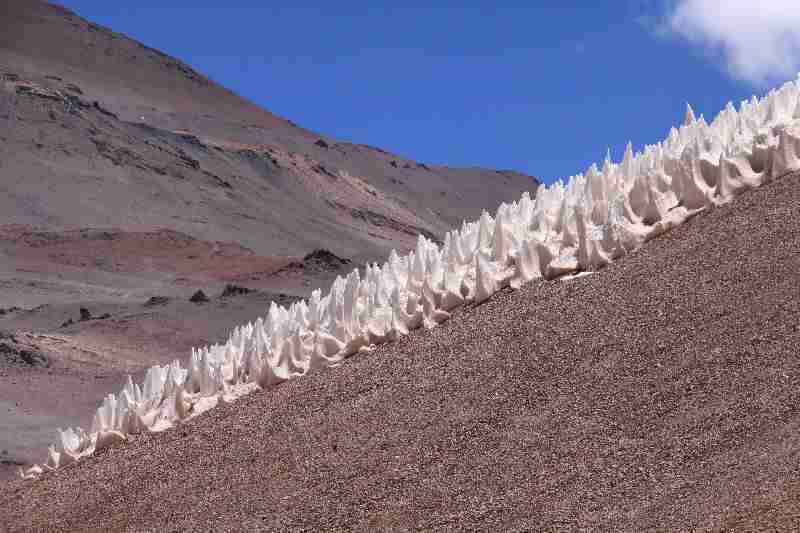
(98, 130)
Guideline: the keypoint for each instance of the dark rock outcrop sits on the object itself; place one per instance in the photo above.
(235, 290)
(14, 351)
(199, 297)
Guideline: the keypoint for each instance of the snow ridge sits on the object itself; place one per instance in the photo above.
(569, 228)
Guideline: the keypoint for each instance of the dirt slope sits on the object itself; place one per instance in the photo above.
(658, 394)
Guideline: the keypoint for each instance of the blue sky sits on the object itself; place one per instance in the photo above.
(543, 88)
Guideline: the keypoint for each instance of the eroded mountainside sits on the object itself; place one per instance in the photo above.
(99, 130)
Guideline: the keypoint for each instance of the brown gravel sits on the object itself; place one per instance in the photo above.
(659, 394)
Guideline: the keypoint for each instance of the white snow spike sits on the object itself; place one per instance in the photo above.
(577, 226)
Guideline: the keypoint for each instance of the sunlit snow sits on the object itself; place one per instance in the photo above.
(568, 229)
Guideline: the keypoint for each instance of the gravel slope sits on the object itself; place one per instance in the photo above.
(658, 394)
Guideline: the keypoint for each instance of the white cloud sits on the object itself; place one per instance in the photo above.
(758, 41)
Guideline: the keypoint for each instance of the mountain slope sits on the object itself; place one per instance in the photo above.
(99, 130)
(657, 394)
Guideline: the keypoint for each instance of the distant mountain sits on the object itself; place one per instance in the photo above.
(98, 130)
